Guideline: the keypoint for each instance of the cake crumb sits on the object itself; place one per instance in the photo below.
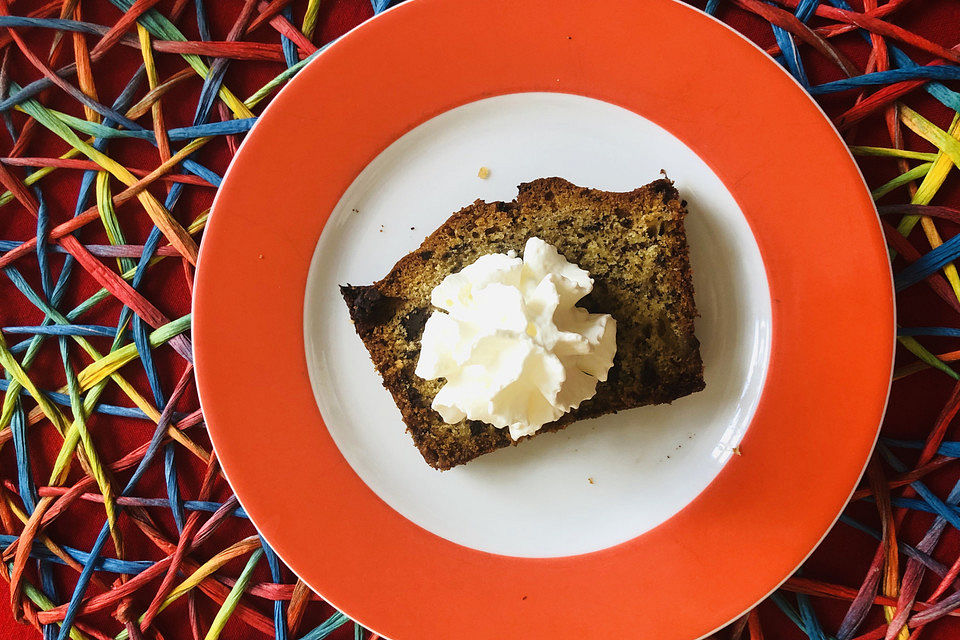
(413, 228)
(355, 210)
(484, 173)
(736, 451)
(591, 481)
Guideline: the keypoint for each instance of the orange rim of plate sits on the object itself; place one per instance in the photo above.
(787, 168)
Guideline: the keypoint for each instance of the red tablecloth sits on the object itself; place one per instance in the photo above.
(844, 556)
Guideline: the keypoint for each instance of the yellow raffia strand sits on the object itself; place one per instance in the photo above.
(162, 218)
(948, 155)
(50, 410)
(310, 18)
(945, 141)
(109, 216)
(931, 183)
(233, 598)
(146, 51)
(210, 566)
(127, 388)
(105, 366)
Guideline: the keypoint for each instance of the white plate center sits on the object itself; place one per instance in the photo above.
(598, 482)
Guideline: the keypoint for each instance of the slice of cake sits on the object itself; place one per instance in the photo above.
(632, 245)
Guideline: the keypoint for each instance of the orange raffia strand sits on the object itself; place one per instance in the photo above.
(891, 569)
(66, 9)
(84, 73)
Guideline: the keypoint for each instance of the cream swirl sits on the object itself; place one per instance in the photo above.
(514, 349)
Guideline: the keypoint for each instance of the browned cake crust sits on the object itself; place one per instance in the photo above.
(634, 246)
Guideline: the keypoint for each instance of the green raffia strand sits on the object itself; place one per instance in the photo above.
(157, 212)
(97, 470)
(282, 77)
(893, 153)
(918, 171)
(226, 610)
(109, 217)
(43, 602)
(917, 349)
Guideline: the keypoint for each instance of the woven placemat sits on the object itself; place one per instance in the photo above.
(119, 119)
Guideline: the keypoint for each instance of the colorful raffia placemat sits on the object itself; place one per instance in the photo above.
(119, 118)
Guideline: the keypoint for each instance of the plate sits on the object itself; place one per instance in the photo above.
(674, 519)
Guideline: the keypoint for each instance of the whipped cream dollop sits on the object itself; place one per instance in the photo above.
(515, 350)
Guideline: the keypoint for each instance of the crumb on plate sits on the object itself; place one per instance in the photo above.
(484, 173)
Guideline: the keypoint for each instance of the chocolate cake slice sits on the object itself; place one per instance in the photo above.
(634, 246)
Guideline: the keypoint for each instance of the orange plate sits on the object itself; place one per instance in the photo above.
(815, 225)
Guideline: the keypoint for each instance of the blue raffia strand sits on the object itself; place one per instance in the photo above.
(947, 97)
(888, 77)
(380, 5)
(939, 506)
(790, 54)
(712, 6)
(50, 288)
(946, 332)
(948, 449)
(279, 612)
(290, 52)
(928, 264)
(64, 400)
(65, 330)
(111, 565)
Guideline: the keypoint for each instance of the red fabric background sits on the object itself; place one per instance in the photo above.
(842, 558)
